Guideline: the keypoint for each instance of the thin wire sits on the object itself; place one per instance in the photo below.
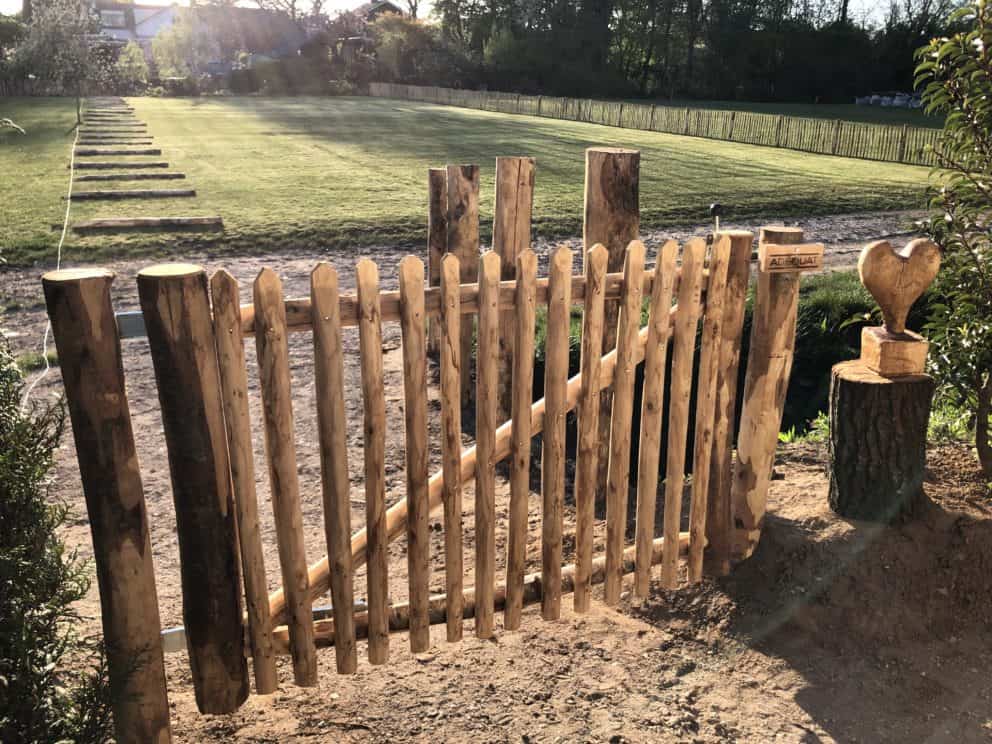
(58, 265)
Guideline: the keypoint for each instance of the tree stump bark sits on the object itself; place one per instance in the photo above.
(878, 431)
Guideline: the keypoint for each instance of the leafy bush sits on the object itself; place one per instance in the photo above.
(956, 75)
(42, 699)
(131, 69)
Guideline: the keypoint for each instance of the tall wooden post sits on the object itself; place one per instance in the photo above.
(719, 524)
(174, 301)
(612, 218)
(437, 242)
(511, 236)
(89, 348)
(769, 365)
(463, 241)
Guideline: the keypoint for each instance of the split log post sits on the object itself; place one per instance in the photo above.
(652, 410)
(683, 351)
(553, 439)
(612, 218)
(82, 317)
(463, 241)
(514, 205)
(415, 413)
(176, 306)
(773, 339)
(234, 389)
(272, 350)
(328, 360)
(618, 481)
(719, 517)
(706, 392)
(451, 442)
(486, 401)
(437, 243)
(524, 319)
(587, 457)
(374, 409)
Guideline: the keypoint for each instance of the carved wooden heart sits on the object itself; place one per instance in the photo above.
(896, 279)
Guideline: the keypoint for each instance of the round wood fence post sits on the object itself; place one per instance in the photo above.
(437, 243)
(769, 365)
(89, 351)
(463, 241)
(611, 217)
(175, 303)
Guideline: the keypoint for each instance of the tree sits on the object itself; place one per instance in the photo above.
(131, 68)
(58, 48)
(185, 47)
(955, 73)
(41, 698)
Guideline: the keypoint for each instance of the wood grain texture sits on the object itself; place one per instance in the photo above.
(611, 217)
(524, 319)
(176, 307)
(463, 241)
(706, 393)
(896, 279)
(587, 456)
(234, 393)
(769, 365)
(486, 402)
(397, 514)
(437, 242)
(374, 405)
(332, 430)
(652, 408)
(618, 480)
(277, 408)
(451, 443)
(82, 317)
(514, 204)
(413, 326)
(683, 349)
(719, 524)
(553, 450)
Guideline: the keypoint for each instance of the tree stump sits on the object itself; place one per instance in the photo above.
(878, 433)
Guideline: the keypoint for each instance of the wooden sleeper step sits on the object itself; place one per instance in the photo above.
(100, 165)
(126, 224)
(133, 194)
(94, 152)
(130, 176)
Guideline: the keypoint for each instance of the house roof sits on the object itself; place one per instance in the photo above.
(376, 7)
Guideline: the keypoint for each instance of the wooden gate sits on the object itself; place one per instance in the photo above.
(694, 301)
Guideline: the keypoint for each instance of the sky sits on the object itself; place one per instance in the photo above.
(874, 8)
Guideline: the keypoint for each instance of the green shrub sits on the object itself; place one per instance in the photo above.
(53, 684)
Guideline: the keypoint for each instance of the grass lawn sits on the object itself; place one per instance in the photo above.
(845, 111)
(331, 173)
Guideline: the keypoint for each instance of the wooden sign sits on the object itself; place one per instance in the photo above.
(782, 259)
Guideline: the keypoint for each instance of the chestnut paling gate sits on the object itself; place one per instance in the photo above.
(197, 332)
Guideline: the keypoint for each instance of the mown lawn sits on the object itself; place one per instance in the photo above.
(333, 173)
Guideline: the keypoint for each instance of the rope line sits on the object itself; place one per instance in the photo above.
(58, 265)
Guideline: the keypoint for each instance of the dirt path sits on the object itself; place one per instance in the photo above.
(834, 631)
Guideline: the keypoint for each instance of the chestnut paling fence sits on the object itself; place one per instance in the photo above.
(199, 335)
(887, 142)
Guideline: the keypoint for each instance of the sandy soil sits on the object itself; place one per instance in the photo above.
(833, 631)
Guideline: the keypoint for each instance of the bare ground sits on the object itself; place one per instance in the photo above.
(833, 631)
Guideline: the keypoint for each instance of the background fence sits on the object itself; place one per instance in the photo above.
(891, 143)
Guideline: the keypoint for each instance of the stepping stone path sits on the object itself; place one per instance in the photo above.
(109, 124)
